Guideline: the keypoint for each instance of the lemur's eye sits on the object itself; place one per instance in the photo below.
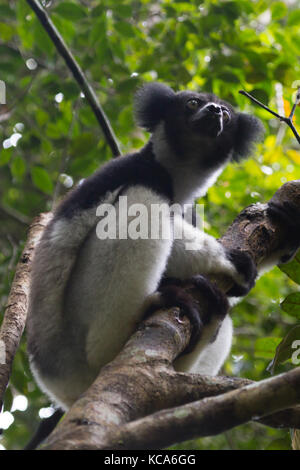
(226, 115)
(193, 104)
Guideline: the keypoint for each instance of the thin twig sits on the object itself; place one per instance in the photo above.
(288, 120)
(242, 92)
(78, 75)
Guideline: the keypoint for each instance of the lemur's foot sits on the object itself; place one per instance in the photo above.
(246, 270)
(289, 214)
(206, 314)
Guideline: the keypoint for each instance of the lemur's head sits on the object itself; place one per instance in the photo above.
(196, 123)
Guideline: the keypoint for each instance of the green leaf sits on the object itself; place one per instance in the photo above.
(260, 95)
(98, 32)
(123, 10)
(284, 350)
(41, 117)
(5, 156)
(125, 29)
(7, 11)
(282, 71)
(41, 38)
(291, 304)
(82, 144)
(18, 168)
(265, 347)
(41, 179)
(279, 10)
(6, 31)
(70, 11)
(8, 400)
(294, 18)
(292, 269)
(279, 444)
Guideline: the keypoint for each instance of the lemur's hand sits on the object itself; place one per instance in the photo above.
(289, 215)
(246, 272)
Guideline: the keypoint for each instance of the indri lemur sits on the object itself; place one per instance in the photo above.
(88, 295)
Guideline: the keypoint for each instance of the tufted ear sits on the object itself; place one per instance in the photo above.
(248, 131)
(151, 104)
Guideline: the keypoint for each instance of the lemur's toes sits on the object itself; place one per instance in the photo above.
(246, 270)
(213, 300)
(176, 296)
(209, 310)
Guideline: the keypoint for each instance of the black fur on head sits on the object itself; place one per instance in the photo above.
(249, 130)
(197, 123)
(151, 103)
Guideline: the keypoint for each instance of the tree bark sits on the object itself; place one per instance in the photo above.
(15, 314)
(210, 416)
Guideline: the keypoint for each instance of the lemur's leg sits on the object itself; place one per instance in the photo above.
(208, 256)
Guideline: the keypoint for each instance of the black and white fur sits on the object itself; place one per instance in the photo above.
(88, 295)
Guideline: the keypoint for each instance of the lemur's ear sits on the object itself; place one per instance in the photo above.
(151, 104)
(248, 131)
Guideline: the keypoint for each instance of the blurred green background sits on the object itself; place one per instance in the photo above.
(49, 140)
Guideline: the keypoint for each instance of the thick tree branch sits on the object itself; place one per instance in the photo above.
(15, 314)
(210, 416)
(78, 74)
(138, 381)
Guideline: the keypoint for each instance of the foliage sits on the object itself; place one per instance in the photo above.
(47, 129)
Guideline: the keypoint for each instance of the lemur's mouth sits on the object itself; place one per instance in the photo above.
(207, 124)
(215, 127)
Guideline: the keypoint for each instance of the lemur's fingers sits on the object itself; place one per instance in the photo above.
(289, 214)
(246, 272)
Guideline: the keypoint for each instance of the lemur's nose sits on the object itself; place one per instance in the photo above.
(214, 108)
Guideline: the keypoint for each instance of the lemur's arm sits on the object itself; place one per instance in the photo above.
(197, 252)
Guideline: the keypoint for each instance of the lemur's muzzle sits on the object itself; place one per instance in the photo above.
(208, 120)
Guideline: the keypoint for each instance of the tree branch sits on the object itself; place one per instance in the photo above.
(210, 416)
(15, 314)
(78, 75)
(288, 120)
